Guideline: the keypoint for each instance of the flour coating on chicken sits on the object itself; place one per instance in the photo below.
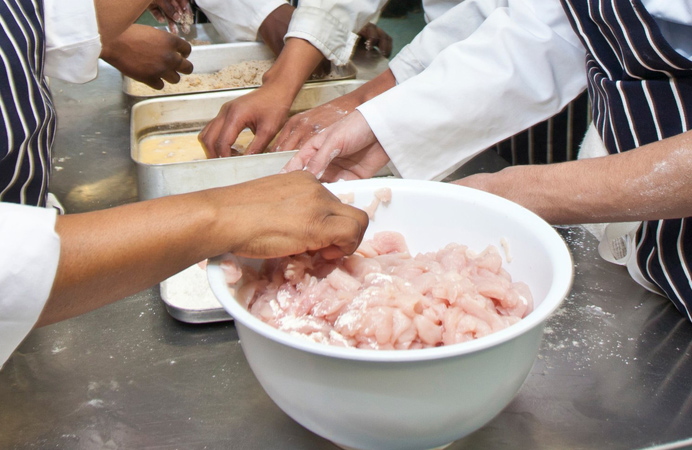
(383, 298)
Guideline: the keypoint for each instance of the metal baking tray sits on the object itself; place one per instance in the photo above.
(190, 113)
(181, 114)
(212, 58)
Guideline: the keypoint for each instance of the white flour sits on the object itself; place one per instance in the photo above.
(189, 290)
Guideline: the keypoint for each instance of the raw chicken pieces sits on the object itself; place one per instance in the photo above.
(383, 298)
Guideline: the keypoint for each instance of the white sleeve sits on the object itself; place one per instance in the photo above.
(238, 20)
(28, 264)
(73, 43)
(331, 26)
(517, 68)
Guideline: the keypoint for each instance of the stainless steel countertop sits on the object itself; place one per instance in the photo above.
(613, 372)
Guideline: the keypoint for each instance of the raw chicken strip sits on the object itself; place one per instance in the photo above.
(383, 298)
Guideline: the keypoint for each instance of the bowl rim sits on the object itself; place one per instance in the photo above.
(564, 277)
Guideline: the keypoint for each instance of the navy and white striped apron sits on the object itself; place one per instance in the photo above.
(641, 92)
(26, 108)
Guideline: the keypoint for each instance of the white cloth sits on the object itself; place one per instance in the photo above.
(238, 20)
(617, 241)
(73, 43)
(329, 25)
(28, 264)
(29, 245)
(482, 71)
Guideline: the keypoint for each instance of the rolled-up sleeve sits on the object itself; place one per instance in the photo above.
(73, 43)
(28, 264)
(332, 26)
(516, 63)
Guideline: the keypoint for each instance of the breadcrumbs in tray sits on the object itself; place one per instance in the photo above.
(240, 75)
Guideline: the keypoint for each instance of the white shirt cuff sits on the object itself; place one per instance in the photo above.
(325, 32)
(28, 264)
(238, 20)
(73, 43)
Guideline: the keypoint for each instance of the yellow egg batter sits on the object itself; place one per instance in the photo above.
(181, 147)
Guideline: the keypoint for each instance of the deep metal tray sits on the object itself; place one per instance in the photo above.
(190, 113)
(214, 57)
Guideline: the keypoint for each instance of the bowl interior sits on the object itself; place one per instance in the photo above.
(431, 215)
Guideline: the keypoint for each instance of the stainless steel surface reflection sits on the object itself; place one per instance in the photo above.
(613, 371)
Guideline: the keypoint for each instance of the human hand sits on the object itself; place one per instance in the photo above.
(346, 150)
(288, 214)
(372, 36)
(303, 126)
(259, 110)
(146, 54)
(174, 12)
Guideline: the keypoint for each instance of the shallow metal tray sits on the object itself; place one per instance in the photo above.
(190, 113)
(212, 58)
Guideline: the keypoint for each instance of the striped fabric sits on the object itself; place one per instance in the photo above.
(25, 104)
(641, 92)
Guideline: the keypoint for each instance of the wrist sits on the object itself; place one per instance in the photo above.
(375, 87)
(293, 67)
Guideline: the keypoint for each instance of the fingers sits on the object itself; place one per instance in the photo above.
(260, 143)
(384, 43)
(157, 14)
(226, 138)
(183, 47)
(155, 83)
(173, 27)
(346, 229)
(299, 160)
(185, 67)
(375, 36)
(169, 10)
(292, 135)
(320, 161)
(208, 136)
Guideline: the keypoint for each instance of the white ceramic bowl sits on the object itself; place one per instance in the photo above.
(414, 399)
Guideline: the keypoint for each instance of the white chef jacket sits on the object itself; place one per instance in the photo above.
(329, 25)
(482, 71)
(29, 245)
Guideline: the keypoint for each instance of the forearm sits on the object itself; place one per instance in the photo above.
(135, 247)
(110, 254)
(275, 26)
(292, 68)
(115, 17)
(648, 183)
(381, 83)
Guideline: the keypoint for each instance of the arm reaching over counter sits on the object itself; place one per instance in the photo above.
(651, 182)
(110, 254)
(264, 110)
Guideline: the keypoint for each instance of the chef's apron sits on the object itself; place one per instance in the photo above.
(26, 108)
(641, 92)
